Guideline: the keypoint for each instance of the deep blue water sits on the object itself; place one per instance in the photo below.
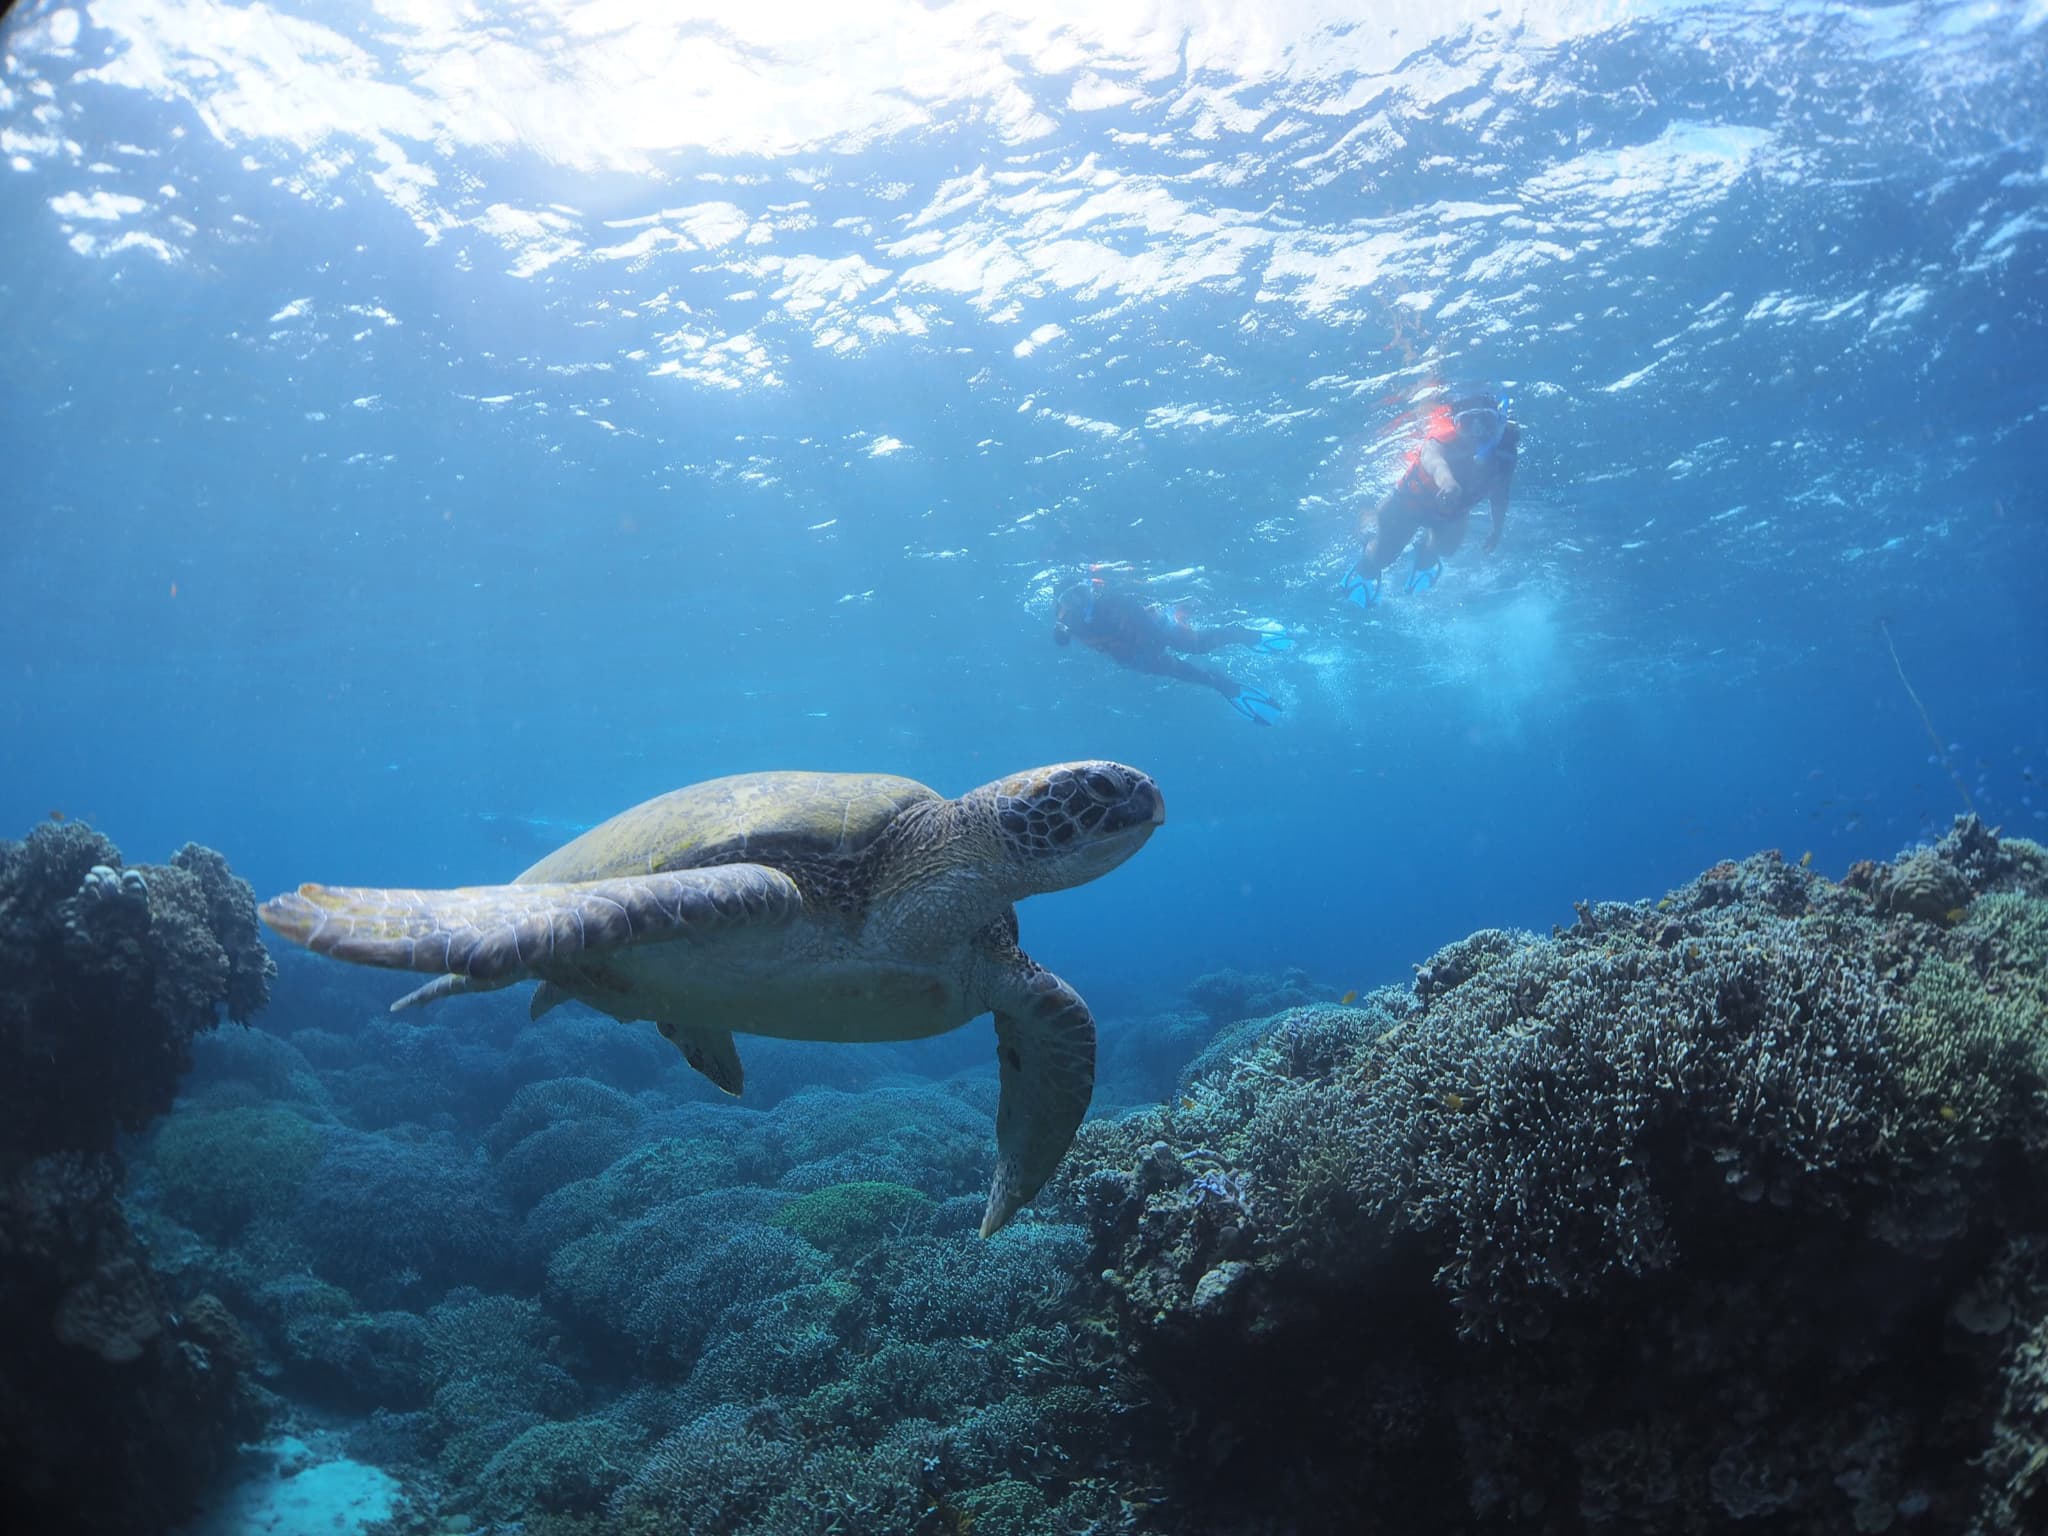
(420, 444)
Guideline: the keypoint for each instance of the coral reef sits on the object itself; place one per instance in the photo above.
(1718, 1210)
(1722, 1208)
(555, 1132)
(1222, 1012)
(108, 977)
(892, 1369)
(215, 1170)
(847, 1220)
(117, 1408)
(348, 1359)
(401, 1215)
(1227, 996)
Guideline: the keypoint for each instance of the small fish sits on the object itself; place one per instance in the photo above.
(1664, 904)
(1454, 1101)
(1948, 1113)
(1806, 859)
(1187, 1103)
(56, 815)
(1349, 998)
(1954, 914)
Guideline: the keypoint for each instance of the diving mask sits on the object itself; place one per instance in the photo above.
(1482, 426)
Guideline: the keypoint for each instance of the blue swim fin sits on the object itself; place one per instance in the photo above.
(1276, 640)
(1256, 705)
(1423, 577)
(1358, 590)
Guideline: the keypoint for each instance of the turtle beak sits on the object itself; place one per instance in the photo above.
(1142, 807)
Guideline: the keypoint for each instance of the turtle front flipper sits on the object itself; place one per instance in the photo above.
(497, 933)
(1045, 1050)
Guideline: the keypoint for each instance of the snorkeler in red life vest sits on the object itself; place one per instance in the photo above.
(1144, 635)
(1467, 457)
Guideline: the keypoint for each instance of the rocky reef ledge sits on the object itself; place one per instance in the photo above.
(116, 1411)
(1728, 1207)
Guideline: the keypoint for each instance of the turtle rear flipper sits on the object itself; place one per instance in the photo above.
(710, 1051)
(547, 995)
(1045, 1051)
(497, 933)
(446, 986)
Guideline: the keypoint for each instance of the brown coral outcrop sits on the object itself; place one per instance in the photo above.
(1925, 886)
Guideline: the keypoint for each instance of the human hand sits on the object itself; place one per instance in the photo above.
(1447, 492)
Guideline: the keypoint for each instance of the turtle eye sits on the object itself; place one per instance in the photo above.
(1102, 786)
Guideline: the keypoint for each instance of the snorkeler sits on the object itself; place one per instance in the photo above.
(1467, 457)
(1144, 636)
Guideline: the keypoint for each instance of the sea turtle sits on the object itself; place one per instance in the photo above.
(811, 906)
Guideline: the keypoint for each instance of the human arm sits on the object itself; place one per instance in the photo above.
(1499, 504)
(1437, 465)
(1504, 472)
(1503, 459)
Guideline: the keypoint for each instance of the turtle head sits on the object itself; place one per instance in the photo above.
(1065, 825)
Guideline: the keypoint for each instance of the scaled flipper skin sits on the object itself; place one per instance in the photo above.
(1045, 1055)
(490, 934)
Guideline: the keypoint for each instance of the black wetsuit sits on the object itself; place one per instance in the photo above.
(1144, 636)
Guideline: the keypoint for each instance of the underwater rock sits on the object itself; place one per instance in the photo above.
(1212, 1291)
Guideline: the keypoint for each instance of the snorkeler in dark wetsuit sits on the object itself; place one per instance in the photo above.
(1468, 457)
(1145, 637)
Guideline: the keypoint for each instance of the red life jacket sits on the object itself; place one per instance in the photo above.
(1437, 427)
